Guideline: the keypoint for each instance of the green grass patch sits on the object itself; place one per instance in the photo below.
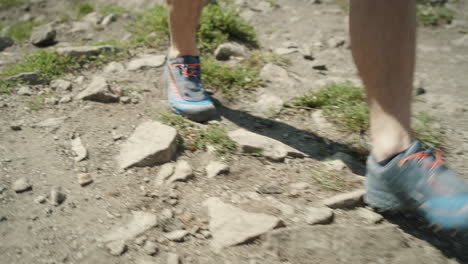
(38, 102)
(11, 3)
(6, 87)
(46, 63)
(258, 58)
(113, 9)
(21, 32)
(345, 105)
(50, 65)
(84, 8)
(229, 80)
(217, 25)
(434, 15)
(331, 180)
(194, 137)
(426, 130)
(151, 27)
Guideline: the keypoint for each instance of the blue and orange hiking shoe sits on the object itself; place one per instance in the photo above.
(186, 94)
(418, 181)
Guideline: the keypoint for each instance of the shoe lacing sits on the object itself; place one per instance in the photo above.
(421, 155)
(188, 70)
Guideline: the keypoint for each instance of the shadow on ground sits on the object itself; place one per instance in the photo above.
(314, 146)
(452, 246)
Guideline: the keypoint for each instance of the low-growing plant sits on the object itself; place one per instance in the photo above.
(330, 180)
(151, 27)
(84, 9)
(345, 105)
(434, 15)
(38, 102)
(229, 80)
(426, 131)
(6, 86)
(49, 64)
(197, 137)
(46, 63)
(22, 31)
(259, 58)
(11, 3)
(113, 9)
(217, 25)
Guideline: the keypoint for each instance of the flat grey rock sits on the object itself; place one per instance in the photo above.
(177, 235)
(99, 90)
(182, 172)
(254, 143)
(140, 223)
(319, 216)
(32, 78)
(345, 200)
(231, 226)
(146, 61)
(43, 36)
(21, 185)
(151, 143)
(215, 168)
(79, 149)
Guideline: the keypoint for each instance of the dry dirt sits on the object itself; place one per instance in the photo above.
(69, 233)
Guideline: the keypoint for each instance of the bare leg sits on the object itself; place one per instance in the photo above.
(383, 37)
(184, 16)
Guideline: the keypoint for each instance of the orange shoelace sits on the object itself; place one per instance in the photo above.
(188, 70)
(420, 156)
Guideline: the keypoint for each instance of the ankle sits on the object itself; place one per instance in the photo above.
(176, 53)
(383, 148)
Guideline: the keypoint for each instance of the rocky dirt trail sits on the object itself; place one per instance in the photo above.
(89, 175)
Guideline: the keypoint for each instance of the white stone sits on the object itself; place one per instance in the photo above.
(99, 90)
(173, 258)
(317, 216)
(254, 143)
(231, 226)
(43, 36)
(57, 197)
(116, 248)
(140, 223)
(51, 122)
(93, 18)
(226, 50)
(177, 235)
(114, 67)
(147, 61)
(61, 85)
(79, 149)
(182, 172)
(151, 143)
(150, 248)
(275, 74)
(108, 19)
(269, 103)
(215, 168)
(345, 200)
(24, 90)
(164, 173)
(84, 179)
(21, 185)
(369, 216)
